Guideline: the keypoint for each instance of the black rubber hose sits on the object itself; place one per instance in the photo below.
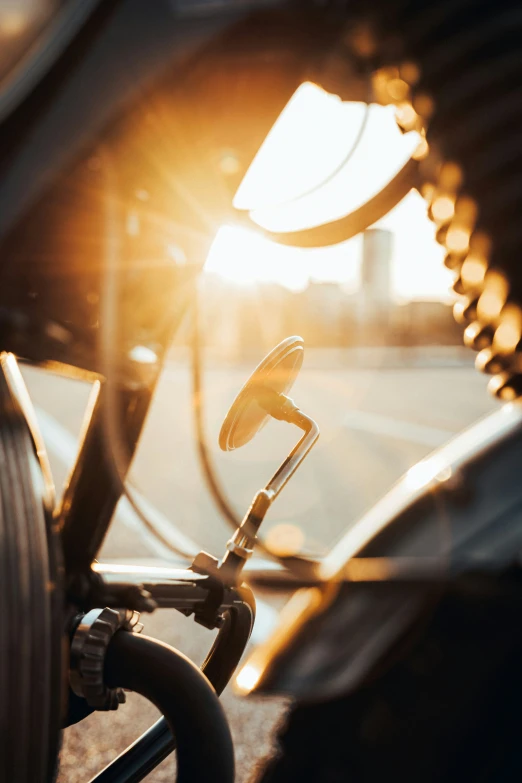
(185, 697)
(157, 743)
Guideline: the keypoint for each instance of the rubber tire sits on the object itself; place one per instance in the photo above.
(31, 599)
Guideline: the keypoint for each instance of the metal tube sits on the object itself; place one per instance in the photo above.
(184, 695)
(170, 588)
(287, 469)
(241, 545)
(92, 492)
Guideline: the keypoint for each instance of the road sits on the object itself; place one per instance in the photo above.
(375, 424)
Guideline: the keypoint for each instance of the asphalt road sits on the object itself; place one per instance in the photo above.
(375, 424)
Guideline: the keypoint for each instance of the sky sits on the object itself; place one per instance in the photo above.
(357, 150)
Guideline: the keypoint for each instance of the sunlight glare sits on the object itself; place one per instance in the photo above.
(304, 146)
(247, 678)
(381, 153)
(311, 137)
(245, 258)
(427, 470)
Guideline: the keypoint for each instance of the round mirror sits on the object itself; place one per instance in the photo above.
(276, 373)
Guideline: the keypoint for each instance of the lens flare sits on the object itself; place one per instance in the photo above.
(247, 678)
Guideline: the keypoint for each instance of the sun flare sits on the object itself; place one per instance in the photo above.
(245, 258)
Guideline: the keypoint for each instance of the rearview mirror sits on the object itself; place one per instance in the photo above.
(250, 410)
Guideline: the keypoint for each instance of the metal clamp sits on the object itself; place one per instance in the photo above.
(88, 649)
(244, 552)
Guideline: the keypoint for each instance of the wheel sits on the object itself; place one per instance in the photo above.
(31, 595)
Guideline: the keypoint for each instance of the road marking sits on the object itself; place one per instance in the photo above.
(64, 446)
(389, 427)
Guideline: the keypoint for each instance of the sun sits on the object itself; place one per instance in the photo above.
(246, 258)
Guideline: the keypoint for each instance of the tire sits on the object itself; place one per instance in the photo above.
(31, 596)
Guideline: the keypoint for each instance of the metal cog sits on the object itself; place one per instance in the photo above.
(88, 648)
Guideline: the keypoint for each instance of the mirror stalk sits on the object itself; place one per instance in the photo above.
(241, 546)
